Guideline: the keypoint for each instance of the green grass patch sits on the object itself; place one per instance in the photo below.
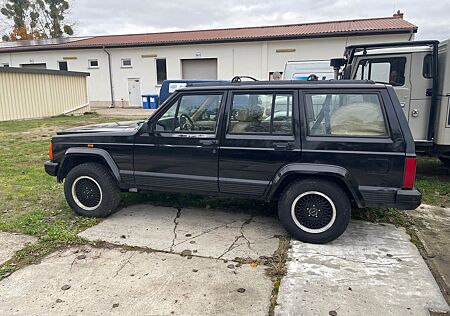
(381, 215)
(32, 202)
(433, 180)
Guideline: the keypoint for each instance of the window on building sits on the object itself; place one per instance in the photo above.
(428, 66)
(261, 114)
(34, 66)
(126, 63)
(63, 65)
(93, 63)
(161, 70)
(384, 70)
(354, 115)
(6, 65)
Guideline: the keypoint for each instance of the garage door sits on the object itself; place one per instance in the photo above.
(199, 68)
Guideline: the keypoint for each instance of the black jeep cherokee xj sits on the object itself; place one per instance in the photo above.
(315, 147)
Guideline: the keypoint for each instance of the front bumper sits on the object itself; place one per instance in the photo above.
(51, 168)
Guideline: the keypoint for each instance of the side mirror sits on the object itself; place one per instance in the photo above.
(150, 127)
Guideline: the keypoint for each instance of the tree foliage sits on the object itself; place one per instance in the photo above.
(33, 19)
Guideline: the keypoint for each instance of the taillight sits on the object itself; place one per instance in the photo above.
(50, 151)
(410, 173)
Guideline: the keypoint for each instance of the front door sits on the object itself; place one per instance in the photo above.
(180, 150)
(259, 140)
(134, 92)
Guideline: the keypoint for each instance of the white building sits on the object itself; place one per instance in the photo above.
(122, 67)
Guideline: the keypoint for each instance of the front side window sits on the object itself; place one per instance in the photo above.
(384, 70)
(261, 114)
(353, 115)
(192, 113)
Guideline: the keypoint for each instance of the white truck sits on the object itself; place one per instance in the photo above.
(301, 70)
(419, 71)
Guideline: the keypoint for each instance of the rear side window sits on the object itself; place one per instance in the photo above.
(384, 70)
(352, 115)
(261, 114)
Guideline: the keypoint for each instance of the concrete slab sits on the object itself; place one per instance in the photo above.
(208, 233)
(432, 226)
(370, 270)
(10, 243)
(95, 281)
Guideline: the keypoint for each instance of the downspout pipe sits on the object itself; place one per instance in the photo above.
(113, 103)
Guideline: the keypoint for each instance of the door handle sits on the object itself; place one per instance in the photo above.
(287, 145)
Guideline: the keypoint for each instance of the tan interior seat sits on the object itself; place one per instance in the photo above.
(361, 119)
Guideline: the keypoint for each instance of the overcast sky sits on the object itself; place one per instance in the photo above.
(94, 17)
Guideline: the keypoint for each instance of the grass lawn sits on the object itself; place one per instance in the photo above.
(31, 202)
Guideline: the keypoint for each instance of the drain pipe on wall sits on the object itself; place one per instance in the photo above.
(113, 104)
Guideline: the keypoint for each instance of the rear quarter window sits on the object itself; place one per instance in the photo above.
(345, 115)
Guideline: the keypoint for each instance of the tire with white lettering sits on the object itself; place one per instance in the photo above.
(314, 210)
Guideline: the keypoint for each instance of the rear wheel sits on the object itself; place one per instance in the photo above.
(91, 190)
(314, 211)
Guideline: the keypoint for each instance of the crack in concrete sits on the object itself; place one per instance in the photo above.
(175, 221)
(128, 261)
(205, 232)
(233, 244)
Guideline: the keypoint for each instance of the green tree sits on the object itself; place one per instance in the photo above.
(48, 16)
(33, 19)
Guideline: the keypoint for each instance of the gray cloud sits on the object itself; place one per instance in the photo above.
(137, 16)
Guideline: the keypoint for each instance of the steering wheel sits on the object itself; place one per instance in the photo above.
(186, 123)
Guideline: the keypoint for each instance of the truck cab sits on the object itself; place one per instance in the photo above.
(419, 72)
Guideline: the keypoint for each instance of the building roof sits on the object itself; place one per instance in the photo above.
(386, 25)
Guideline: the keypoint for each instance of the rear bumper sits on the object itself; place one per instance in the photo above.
(408, 199)
(51, 168)
(391, 197)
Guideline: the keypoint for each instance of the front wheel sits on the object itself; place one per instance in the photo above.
(91, 190)
(314, 211)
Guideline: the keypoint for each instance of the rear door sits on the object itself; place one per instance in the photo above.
(357, 130)
(261, 135)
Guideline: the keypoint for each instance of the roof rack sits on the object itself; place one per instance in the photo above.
(279, 82)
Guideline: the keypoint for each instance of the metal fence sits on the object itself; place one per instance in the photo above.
(34, 93)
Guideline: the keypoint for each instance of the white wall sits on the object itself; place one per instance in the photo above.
(254, 59)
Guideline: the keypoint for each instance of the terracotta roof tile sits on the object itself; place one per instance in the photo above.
(333, 28)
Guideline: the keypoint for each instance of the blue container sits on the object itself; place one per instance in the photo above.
(150, 101)
(153, 101)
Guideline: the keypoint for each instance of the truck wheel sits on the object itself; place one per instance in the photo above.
(91, 190)
(314, 211)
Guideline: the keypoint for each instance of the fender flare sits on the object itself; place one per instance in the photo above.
(89, 152)
(330, 171)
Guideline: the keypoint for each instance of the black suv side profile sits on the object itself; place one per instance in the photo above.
(318, 148)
